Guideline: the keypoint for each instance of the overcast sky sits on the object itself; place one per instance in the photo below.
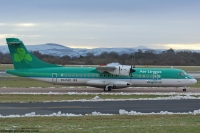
(103, 23)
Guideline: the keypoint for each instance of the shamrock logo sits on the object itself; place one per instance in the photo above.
(21, 55)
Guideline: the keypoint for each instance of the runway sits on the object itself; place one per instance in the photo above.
(98, 90)
(112, 107)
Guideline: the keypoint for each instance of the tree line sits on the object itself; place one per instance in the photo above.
(149, 57)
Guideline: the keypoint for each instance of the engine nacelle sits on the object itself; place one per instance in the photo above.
(103, 83)
(121, 84)
(121, 70)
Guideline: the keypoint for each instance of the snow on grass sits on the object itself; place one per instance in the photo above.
(121, 112)
(124, 112)
(33, 114)
(96, 98)
(98, 113)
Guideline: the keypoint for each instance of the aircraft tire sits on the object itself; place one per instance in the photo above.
(106, 89)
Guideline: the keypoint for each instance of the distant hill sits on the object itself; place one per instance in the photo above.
(60, 50)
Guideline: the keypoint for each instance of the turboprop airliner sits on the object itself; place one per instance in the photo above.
(111, 76)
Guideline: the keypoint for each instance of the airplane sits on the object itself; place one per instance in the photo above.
(108, 77)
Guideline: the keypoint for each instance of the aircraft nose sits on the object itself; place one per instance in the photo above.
(194, 81)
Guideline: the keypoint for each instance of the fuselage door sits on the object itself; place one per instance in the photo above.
(155, 76)
(54, 77)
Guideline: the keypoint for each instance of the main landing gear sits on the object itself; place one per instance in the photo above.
(108, 88)
(184, 89)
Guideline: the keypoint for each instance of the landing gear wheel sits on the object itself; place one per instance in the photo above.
(106, 89)
(184, 89)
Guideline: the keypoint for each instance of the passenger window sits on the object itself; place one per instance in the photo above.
(80, 75)
(84, 75)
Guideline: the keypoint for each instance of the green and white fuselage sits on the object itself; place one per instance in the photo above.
(81, 76)
(27, 65)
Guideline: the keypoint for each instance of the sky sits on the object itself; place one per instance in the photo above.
(157, 24)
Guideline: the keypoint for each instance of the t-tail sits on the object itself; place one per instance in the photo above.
(22, 58)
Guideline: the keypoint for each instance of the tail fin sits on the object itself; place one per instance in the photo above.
(22, 58)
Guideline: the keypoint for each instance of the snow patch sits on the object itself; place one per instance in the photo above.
(33, 114)
(121, 112)
(96, 98)
(124, 112)
(98, 113)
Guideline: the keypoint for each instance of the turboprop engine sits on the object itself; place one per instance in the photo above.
(121, 70)
(116, 69)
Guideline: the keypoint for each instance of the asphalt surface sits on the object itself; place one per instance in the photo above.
(112, 107)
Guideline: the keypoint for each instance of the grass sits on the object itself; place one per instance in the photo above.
(52, 97)
(6, 66)
(197, 85)
(104, 124)
(21, 82)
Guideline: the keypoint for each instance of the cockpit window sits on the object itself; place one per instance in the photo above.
(182, 73)
(185, 73)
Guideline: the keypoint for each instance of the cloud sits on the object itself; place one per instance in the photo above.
(3, 36)
(84, 24)
(26, 24)
(183, 46)
(2, 24)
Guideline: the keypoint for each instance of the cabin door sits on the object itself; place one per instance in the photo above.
(155, 76)
(54, 77)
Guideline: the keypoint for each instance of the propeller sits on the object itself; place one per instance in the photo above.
(132, 66)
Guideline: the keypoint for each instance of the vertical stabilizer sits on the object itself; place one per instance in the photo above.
(22, 58)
